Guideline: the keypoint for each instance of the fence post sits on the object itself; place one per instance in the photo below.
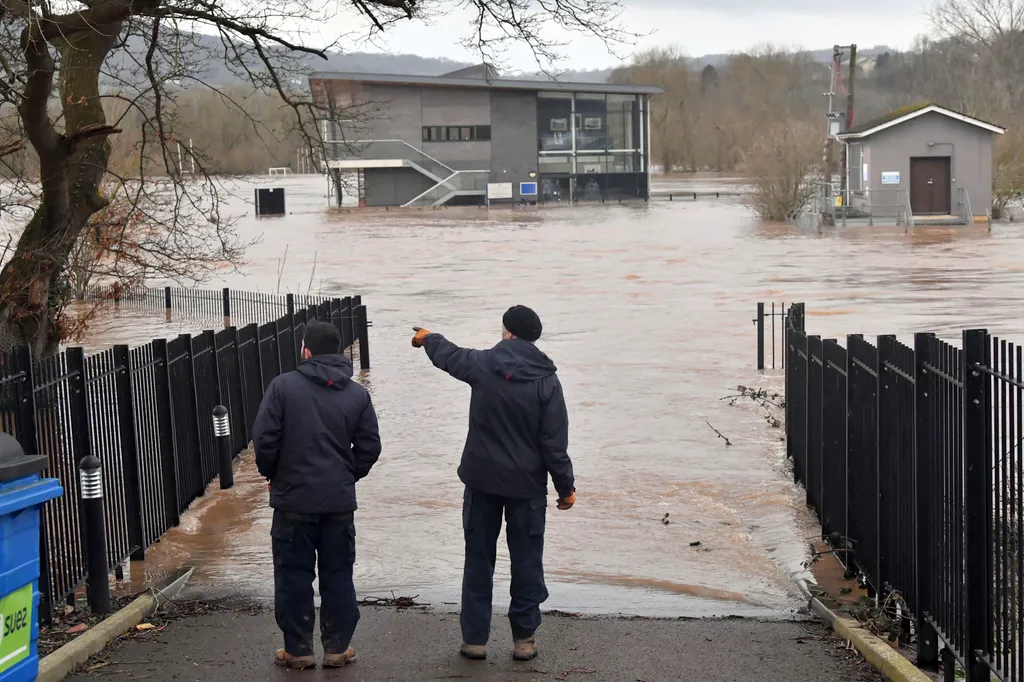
(760, 335)
(346, 322)
(167, 303)
(222, 432)
(364, 337)
(168, 469)
(927, 638)
(290, 302)
(24, 392)
(353, 321)
(129, 451)
(90, 477)
(25, 423)
(227, 307)
(193, 414)
(977, 502)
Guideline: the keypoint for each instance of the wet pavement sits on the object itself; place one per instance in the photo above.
(420, 646)
(647, 313)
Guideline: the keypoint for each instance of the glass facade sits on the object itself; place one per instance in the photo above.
(591, 147)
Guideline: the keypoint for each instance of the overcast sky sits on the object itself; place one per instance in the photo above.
(698, 27)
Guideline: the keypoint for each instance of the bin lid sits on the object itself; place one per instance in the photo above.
(14, 463)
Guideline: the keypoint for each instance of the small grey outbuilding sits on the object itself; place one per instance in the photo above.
(933, 162)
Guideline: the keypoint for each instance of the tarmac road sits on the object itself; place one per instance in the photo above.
(236, 645)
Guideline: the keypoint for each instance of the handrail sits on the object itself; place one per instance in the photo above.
(909, 209)
(415, 149)
(444, 182)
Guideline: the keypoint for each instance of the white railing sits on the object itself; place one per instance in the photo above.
(459, 182)
(448, 181)
(394, 149)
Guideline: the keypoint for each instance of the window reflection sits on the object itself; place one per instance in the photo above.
(591, 126)
(554, 114)
(591, 146)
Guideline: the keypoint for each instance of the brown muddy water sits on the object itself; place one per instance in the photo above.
(647, 313)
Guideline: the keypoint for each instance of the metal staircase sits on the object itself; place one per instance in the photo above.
(448, 182)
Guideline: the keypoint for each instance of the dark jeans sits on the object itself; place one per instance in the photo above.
(299, 541)
(481, 521)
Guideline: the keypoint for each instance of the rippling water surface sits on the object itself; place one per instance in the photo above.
(647, 313)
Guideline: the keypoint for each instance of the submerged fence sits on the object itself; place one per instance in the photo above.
(146, 413)
(911, 457)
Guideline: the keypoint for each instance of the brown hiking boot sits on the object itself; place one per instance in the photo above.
(340, 660)
(286, 660)
(525, 649)
(473, 652)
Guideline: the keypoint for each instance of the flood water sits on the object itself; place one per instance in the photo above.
(648, 314)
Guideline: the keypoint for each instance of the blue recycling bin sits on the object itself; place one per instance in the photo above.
(22, 495)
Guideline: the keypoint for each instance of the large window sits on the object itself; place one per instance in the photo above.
(623, 122)
(456, 133)
(554, 121)
(591, 122)
(592, 146)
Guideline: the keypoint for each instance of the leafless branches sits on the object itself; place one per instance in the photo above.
(783, 167)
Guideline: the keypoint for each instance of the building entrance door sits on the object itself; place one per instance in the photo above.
(930, 181)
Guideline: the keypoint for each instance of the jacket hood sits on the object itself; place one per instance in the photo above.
(333, 371)
(520, 360)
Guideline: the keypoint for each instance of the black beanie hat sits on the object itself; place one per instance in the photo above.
(522, 323)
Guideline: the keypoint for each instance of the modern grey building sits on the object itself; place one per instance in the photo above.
(927, 161)
(469, 137)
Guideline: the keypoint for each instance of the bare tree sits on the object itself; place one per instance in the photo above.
(783, 165)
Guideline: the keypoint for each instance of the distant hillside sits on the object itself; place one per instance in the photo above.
(823, 56)
(219, 74)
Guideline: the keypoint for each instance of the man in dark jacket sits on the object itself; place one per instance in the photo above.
(518, 436)
(315, 435)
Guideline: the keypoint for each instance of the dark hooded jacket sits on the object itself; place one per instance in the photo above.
(316, 435)
(518, 425)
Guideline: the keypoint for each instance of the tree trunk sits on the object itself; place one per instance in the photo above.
(34, 287)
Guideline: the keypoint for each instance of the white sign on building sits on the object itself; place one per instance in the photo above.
(499, 190)
(890, 177)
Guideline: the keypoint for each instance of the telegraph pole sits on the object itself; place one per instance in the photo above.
(830, 142)
(848, 123)
(839, 121)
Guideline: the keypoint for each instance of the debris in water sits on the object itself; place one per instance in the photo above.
(664, 519)
(727, 442)
(695, 544)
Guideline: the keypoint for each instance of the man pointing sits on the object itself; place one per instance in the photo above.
(518, 436)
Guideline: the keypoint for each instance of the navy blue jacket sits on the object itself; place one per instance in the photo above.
(518, 425)
(316, 435)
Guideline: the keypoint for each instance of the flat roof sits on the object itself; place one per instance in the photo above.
(494, 84)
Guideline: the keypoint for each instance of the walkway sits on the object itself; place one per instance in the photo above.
(237, 644)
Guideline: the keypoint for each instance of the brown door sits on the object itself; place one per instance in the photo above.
(930, 181)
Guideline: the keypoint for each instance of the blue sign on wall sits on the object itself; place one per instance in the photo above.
(528, 189)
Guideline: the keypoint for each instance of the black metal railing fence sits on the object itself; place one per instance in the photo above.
(146, 413)
(911, 458)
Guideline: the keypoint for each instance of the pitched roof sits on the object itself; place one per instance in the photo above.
(495, 84)
(907, 113)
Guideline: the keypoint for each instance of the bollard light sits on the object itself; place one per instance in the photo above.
(90, 479)
(221, 423)
(222, 431)
(94, 540)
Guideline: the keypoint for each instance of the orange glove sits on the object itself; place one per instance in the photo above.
(421, 333)
(565, 503)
